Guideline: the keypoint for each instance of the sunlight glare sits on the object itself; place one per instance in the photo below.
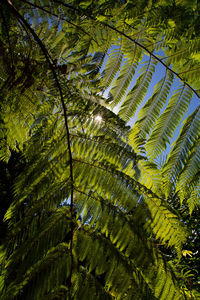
(98, 118)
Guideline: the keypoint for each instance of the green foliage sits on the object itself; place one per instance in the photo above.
(137, 93)
(150, 112)
(85, 208)
(178, 157)
(168, 121)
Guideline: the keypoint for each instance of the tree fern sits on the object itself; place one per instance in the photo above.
(168, 121)
(126, 74)
(193, 197)
(88, 216)
(150, 112)
(182, 147)
(137, 93)
(112, 66)
(189, 172)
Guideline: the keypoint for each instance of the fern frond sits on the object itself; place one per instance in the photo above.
(87, 285)
(150, 112)
(190, 171)
(35, 241)
(165, 224)
(124, 79)
(112, 67)
(150, 176)
(184, 56)
(85, 211)
(136, 95)
(97, 250)
(56, 257)
(194, 196)
(168, 121)
(113, 223)
(164, 283)
(179, 154)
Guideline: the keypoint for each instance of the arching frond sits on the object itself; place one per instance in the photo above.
(136, 95)
(150, 112)
(95, 251)
(57, 258)
(149, 175)
(126, 74)
(160, 216)
(112, 66)
(194, 195)
(104, 216)
(190, 171)
(178, 157)
(168, 121)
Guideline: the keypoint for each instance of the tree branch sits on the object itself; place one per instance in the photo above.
(50, 62)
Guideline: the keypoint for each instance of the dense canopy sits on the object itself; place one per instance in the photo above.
(99, 149)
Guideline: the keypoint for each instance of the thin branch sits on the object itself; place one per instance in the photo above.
(50, 62)
(128, 37)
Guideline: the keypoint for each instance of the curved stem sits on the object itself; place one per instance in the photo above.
(51, 65)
